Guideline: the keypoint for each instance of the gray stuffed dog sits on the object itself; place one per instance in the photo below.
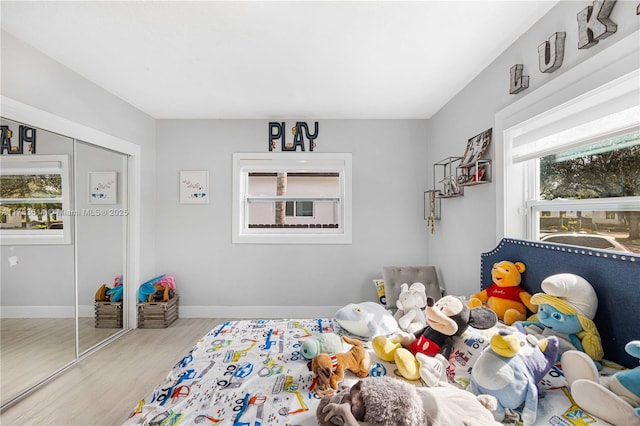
(393, 402)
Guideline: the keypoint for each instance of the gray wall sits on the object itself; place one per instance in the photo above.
(392, 166)
(468, 225)
(30, 77)
(194, 241)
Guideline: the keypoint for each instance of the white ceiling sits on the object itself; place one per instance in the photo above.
(268, 59)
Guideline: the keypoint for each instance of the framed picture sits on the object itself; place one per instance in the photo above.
(476, 147)
(194, 187)
(103, 188)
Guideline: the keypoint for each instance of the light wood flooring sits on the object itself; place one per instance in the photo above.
(33, 348)
(104, 388)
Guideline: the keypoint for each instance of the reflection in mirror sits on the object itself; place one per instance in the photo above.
(37, 293)
(63, 234)
(101, 203)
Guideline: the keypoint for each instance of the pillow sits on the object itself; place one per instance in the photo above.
(382, 297)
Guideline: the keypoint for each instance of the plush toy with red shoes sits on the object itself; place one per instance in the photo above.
(425, 354)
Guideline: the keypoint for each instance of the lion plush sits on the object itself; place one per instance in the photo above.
(505, 297)
(329, 369)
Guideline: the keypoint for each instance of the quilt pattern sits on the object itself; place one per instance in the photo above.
(242, 373)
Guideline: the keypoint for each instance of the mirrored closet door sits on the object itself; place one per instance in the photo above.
(63, 234)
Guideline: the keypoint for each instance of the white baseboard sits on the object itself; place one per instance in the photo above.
(185, 311)
(194, 311)
(38, 312)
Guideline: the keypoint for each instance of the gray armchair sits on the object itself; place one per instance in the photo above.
(394, 276)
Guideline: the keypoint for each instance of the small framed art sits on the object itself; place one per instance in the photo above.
(103, 188)
(475, 148)
(194, 187)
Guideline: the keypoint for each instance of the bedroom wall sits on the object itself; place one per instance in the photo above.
(30, 77)
(468, 225)
(218, 278)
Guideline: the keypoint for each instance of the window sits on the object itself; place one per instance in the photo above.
(300, 208)
(577, 167)
(292, 198)
(34, 194)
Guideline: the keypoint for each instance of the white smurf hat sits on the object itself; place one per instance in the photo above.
(575, 290)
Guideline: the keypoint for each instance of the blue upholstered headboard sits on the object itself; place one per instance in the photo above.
(614, 276)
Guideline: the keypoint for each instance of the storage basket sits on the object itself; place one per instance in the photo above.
(108, 314)
(158, 314)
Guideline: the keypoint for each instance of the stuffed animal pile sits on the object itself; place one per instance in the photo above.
(447, 318)
(159, 289)
(114, 294)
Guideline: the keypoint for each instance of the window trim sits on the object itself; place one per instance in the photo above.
(586, 79)
(243, 163)
(45, 236)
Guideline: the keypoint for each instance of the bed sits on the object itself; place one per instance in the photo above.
(251, 372)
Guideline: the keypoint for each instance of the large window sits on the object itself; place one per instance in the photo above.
(34, 199)
(572, 173)
(292, 198)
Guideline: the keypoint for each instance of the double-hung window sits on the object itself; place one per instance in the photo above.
(292, 198)
(573, 172)
(34, 199)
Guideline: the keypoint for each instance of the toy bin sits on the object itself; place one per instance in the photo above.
(158, 314)
(108, 314)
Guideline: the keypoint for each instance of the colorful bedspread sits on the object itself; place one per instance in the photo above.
(246, 372)
(251, 373)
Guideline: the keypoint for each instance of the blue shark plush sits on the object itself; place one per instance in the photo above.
(510, 369)
(366, 319)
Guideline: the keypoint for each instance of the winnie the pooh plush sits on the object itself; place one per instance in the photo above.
(505, 297)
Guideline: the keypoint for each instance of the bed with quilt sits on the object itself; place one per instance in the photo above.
(259, 372)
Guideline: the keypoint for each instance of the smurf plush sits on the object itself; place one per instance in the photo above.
(510, 369)
(566, 309)
(410, 303)
(505, 296)
(447, 318)
(616, 398)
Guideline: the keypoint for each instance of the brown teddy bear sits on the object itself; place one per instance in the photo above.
(505, 297)
(329, 368)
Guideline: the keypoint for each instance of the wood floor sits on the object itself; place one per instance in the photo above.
(104, 388)
(32, 348)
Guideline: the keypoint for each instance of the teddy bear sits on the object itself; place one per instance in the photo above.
(329, 369)
(447, 318)
(614, 399)
(393, 402)
(510, 368)
(566, 309)
(505, 296)
(410, 303)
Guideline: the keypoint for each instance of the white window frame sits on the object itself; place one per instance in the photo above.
(33, 165)
(244, 163)
(586, 92)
